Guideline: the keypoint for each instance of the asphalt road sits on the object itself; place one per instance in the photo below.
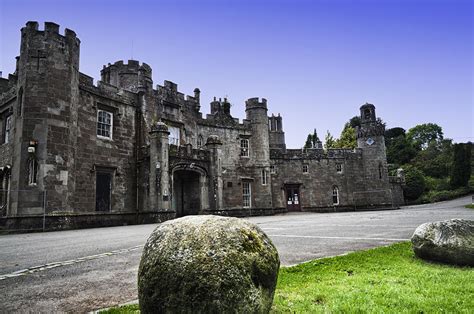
(83, 270)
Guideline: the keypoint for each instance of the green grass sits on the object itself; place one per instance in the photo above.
(387, 279)
(471, 206)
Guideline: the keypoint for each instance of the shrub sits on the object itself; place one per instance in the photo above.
(415, 183)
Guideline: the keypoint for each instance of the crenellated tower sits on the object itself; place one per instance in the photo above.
(46, 117)
(131, 76)
(259, 150)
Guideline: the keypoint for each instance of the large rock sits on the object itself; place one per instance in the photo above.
(449, 241)
(207, 264)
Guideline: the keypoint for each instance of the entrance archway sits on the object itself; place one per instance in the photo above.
(186, 192)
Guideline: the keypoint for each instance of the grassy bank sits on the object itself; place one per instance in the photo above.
(387, 279)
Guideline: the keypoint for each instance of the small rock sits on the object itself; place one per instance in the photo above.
(449, 241)
(207, 264)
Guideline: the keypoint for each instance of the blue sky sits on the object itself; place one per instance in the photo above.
(315, 61)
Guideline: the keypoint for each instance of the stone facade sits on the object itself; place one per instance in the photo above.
(83, 153)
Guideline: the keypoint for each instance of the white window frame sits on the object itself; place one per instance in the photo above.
(338, 167)
(246, 194)
(264, 176)
(305, 169)
(335, 194)
(175, 134)
(8, 127)
(244, 147)
(111, 125)
(272, 169)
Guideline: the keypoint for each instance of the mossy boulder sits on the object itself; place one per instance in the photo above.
(207, 264)
(449, 241)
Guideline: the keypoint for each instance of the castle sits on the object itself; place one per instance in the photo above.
(74, 154)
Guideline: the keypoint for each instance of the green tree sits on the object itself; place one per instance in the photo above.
(436, 160)
(461, 165)
(400, 150)
(414, 183)
(312, 140)
(423, 134)
(329, 141)
(347, 138)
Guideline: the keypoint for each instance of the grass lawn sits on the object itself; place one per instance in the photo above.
(470, 206)
(386, 279)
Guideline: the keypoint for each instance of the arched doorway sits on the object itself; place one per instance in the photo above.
(186, 192)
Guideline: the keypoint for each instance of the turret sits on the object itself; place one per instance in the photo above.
(275, 129)
(370, 138)
(48, 93)
(132, 76)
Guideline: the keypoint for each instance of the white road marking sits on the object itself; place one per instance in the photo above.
(342, 238)
(34, 269)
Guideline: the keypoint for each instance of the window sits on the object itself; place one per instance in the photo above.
(272, 169)
(200, 141)
(305, 168)
(20, 101)
(32, 171)
(335, 195)
(174, 135)
(264, 177)
(246, 194)
(380, 171)
(5, 187)
(8, 125)
(104, 124)
(339, 168)
(244, 148)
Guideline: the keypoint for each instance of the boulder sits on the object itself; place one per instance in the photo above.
(449, 241)
(207, 264)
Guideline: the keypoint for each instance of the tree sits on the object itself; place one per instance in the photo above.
(436, 160)
(423, 134)
(329, 141)
(347, 138)
(461, 165)
(414, 182)
(312, 140)
(400, 150)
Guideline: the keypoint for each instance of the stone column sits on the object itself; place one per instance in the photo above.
(159, 168)
(214, 144)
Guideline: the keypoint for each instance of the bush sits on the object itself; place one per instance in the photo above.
(437, 184)
(414, 183)
(438, 196)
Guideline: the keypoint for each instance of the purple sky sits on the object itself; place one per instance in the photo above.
(315, 61)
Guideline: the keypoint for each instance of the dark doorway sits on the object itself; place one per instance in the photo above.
(103, 188)
(293, 199)
(186, 192)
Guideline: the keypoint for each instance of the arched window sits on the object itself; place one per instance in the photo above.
(32, 171)
(367, 113)
(335, 195)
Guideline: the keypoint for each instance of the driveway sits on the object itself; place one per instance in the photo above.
(82, 270)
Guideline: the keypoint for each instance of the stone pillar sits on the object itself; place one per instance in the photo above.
(159, 197)
(214, 144)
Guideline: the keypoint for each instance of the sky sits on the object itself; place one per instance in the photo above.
(316, 62)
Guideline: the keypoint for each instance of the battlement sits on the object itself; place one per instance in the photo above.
(50, 30)
(255, 102)
(133, 66)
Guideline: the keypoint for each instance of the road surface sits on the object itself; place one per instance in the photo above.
(83, 270)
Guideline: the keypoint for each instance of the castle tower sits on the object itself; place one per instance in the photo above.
(370, 138)
(276, 134)
(46, 118)
(131, 76)
(259, 151)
